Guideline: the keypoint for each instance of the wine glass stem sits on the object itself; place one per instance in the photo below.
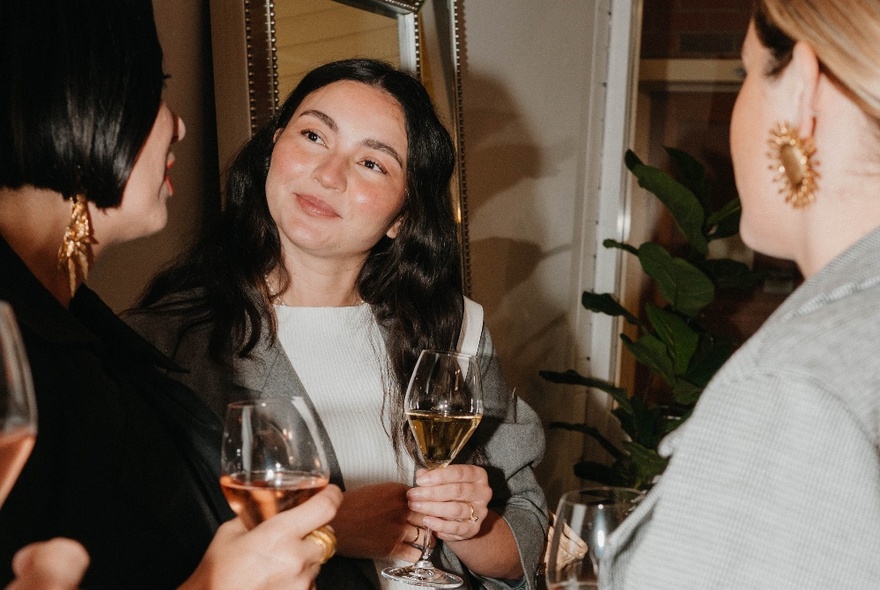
(427, 550)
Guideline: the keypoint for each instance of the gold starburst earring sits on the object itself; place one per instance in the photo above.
(75, 253)
(791, 157)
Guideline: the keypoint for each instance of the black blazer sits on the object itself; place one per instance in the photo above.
(123, 458)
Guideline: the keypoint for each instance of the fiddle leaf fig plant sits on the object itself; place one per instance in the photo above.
(680, 354)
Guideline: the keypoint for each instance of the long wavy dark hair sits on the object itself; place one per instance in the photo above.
(412, 282)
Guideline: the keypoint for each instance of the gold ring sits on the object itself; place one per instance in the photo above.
(325, 538)
(418, 534)
(473, 517)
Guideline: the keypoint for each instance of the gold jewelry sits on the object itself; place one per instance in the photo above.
(325, 539)
(792, 159)
(473, 517)
(75, 253)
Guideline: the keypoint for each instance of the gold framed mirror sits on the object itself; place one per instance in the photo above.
(261, 48)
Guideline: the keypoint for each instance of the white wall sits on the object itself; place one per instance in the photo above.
(534, 109)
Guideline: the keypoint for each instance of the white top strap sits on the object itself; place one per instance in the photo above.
(471, 327)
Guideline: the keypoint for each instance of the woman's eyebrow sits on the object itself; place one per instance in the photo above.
(384, 147)
(324, 117)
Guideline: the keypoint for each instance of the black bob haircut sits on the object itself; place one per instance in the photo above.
(81, 87)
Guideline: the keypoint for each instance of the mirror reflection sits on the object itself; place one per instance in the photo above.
(311, 32)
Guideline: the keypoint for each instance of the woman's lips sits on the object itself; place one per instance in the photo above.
(168, 165)
(315, 206)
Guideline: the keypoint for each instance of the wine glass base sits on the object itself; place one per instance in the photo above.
(426, 577)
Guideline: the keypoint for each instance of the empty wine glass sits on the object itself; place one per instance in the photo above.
(271, 459)
(444, 405)
(584, 520)
(18, 408)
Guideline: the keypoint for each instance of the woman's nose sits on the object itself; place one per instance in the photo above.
(179, 128)
(330, 172)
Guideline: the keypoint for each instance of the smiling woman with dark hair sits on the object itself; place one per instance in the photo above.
(334, 263)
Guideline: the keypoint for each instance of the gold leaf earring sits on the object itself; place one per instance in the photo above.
(75, 253)
(791, 158)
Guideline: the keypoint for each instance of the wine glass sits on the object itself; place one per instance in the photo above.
(271, 459)
(444, 405)
(584, 520)
(18, 408)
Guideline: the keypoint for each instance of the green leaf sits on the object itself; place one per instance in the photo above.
(609, 243)
(651, 352)
(590, 431)
(648, 423)
(685, 392)
(599, 473)
(681, 341)
(692, 174)
(681, 283)
(572, 377)
(607, 304)
(712, 353)
(730, 274)
(649, 463)
(725, 221)
(681, 202)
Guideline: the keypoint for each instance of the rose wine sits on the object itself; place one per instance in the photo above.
(441, 436)
(15, 447)
(260, 495)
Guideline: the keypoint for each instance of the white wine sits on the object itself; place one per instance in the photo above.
(261, 496)
(441, 436)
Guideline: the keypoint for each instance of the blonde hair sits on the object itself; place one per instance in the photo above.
(844, 34)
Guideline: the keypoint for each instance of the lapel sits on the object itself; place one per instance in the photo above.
(269, 374)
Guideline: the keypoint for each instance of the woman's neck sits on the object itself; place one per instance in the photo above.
(318, 283)
(32, 221)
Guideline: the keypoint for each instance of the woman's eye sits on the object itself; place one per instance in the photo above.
(373, 165)
(311, 135)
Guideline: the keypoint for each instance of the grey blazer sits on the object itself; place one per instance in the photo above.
(774, 482)
(511, 435)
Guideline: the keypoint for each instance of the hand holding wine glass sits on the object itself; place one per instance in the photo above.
(444, 405)
(272, 460)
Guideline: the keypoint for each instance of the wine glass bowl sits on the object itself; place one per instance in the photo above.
(18, 408)
(444, 405)
(271, 458)
(583, 521)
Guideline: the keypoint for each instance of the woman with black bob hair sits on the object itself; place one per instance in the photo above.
(333, 265)
(122, 463)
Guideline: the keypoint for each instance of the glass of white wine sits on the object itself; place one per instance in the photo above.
(444, 405)
(271, 459)
(18, 407)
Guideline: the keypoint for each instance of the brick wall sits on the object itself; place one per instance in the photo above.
(694, 28)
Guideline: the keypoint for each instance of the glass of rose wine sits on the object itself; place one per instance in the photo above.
(444, 405)
(18, 408)
(271, 459)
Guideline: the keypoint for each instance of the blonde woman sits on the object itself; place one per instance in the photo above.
(775, 480)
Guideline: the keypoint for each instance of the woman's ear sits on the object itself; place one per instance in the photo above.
(394, 230)
(804, 68)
